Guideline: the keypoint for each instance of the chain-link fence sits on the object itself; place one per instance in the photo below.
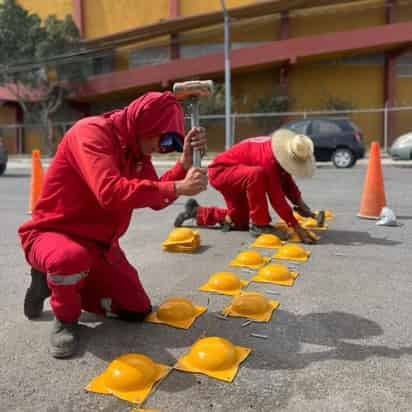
(380, 124)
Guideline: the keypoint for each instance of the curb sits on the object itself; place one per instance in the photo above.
(386, 162)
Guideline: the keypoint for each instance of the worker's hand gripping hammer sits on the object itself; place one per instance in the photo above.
(192, 91)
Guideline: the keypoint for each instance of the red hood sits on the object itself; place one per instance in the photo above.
(151, 115)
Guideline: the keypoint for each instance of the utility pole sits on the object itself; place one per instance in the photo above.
(228, 96)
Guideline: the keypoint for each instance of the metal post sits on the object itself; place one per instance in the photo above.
(228, 134)
(385, 128)
(194, 119)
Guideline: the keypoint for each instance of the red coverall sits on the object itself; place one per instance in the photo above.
(244, 175)
(96, 179)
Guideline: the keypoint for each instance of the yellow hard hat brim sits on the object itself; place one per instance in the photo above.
(180, 324)
(235, 263)
(231, 292)
(97, 385)
(288, 282)
(227, 375)
(260, 317)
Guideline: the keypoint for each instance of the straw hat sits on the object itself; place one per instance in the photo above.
(294, 152)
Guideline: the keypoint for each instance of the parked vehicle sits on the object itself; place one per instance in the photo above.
(336, 139)
(3, 157)
(401, 148)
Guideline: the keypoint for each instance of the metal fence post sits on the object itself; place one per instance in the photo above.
(385, 127)
(233, 128)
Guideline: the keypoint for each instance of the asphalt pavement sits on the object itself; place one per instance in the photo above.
(340, 341)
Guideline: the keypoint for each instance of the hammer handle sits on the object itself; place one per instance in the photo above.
(197, 160)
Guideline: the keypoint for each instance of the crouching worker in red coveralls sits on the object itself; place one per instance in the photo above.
(101, 172)
(249, 171)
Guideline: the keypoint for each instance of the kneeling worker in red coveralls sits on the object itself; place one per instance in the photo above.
(101, 172)
(248, 172)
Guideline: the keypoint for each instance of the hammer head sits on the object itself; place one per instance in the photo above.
(195, 88)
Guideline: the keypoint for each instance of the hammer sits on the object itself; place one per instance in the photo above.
(192, 91)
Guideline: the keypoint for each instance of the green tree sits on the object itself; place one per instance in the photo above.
(337, 103)
(28, 67)
(276, 102)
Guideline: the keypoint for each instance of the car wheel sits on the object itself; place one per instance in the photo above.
(2, 169)
(343, 158)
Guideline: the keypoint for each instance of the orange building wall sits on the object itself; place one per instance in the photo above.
(102, 17)
(361, 85)
(336, 18)
(45, 8)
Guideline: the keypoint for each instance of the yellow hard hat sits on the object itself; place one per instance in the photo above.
(267, 241)
(177, 312)
(250, 259)
(292, 252)
(276, 273)
(181, 235)
(252, 305)
(227, 283)
(130, 372)
(129, 377)
(214, 356)
(176, 309)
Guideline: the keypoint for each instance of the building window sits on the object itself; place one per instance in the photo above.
(404, 65)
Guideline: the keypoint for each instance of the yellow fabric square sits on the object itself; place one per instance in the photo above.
(251, 305)
(250, 259)
(129, 377)
(181, 236)
(276, 274)
(225, 283)
(292, 252)
(215, 357)
(176, 312)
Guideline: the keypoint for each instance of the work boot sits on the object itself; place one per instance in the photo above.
(257, 230)
(128, 316)
(36, 294)
(189, 213)
(64, 339)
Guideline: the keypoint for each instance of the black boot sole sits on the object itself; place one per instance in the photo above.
(36, 294)
(181, 218)
(63, 353)
(320, 219)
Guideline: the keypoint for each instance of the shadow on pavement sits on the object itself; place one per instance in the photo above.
(284, 349)
(353, 238)
(14, 175)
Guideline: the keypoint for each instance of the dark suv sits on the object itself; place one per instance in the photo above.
(336, 139)
(3, 157)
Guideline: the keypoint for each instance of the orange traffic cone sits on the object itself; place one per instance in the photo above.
(36, 179)
(373, 197)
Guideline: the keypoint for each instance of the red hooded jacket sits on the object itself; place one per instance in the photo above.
(98, 175)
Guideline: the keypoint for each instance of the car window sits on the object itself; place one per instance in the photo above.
(325, 128)
(299, 127)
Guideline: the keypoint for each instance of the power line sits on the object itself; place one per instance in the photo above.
(76, 55)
